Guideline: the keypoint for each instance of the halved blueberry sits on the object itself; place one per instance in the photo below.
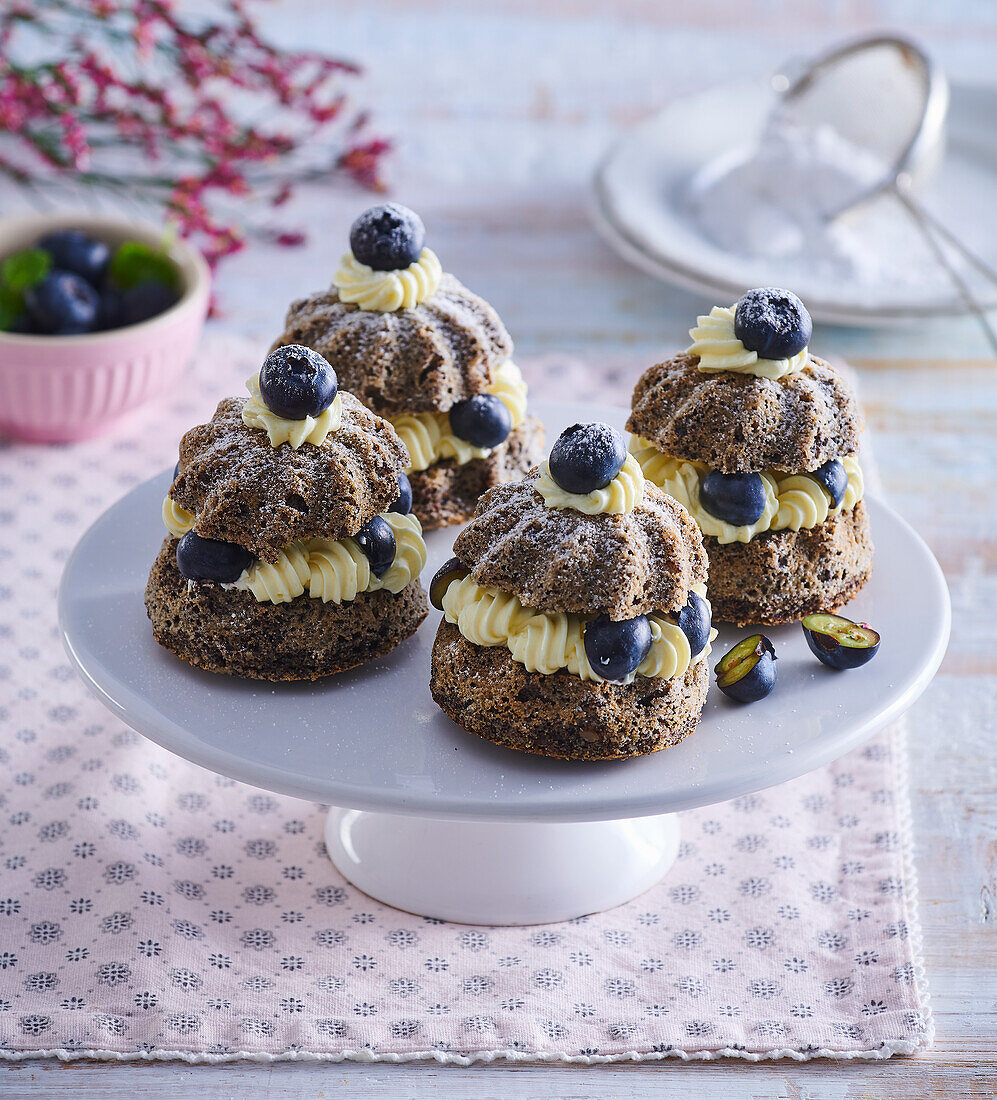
(76, 251)
(451, 570)
(694, 621)
(615, 649)
(200, 559)
(62, 304)
(145, 300)
(403, 505)
(482, 420)
(377, 541)
(387, 237)
(738, 499)
(747, 672)
(834, 477)
(586, 457)
(296, 382)
(838, 642)
(772, 322)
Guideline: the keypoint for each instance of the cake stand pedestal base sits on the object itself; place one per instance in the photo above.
(483, 872)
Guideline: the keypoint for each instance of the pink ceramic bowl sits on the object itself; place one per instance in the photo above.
(58, 389)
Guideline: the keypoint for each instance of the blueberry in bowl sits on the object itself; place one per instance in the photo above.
(747, 672)
(838, 642)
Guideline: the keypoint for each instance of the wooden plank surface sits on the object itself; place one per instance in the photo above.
(501, 110)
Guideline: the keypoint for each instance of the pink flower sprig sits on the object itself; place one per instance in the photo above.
(195, 114)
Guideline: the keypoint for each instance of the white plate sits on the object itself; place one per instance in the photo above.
(373, 739)
(639, 189)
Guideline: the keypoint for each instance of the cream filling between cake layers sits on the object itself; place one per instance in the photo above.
(547, 642)
(388, 291)
(428, 437)
(792, 501)
(620, 497)
(718, 348)
(310, 429)
(330, 570)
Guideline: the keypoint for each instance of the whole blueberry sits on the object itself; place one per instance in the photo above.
(694, 621)
(772, 322)
(23, 324)
(201, 559)
(387, 237)
(176, 470)
(110, 309)
(587, 457)
(296, 382)
(62, 304)
(76, 251)
(403, 505)
(834, 477)
(145, 300)
(738, 499)
(482, 420)
(615, 649)
(747, 672)
(377, 541)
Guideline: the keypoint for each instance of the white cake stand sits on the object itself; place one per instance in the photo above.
(431, 819)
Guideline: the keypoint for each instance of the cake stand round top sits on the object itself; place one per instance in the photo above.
(373, 739)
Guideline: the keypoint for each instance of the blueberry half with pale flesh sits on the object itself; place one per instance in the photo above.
(377, 541)
(387, 237)
(200, 559)
(834, 477)
(403, 503)
(694, 620)
(838, 642)
(615, 648)
(747, 672)
(737, 499)
(296, 382)
(586, 457)
(453, 569)
(772, 322)
(483, 420)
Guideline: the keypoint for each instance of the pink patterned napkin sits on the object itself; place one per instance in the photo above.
(151, 909)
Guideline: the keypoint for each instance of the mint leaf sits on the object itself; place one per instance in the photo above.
(135, 263)
(11, 307)
(24, 269)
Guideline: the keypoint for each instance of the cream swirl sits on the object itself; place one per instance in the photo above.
(719, 349)
(427, 435)
(792, 501)
(310, 429)
(620, 497)
(178, 520)
(547, 642)
(336, 571)
(388, 291)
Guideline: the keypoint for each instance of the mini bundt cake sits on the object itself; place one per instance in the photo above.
(758, 439)
(421, 350)
(291, 552)
(575, 619)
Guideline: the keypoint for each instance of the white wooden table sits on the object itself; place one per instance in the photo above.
(500, 111)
